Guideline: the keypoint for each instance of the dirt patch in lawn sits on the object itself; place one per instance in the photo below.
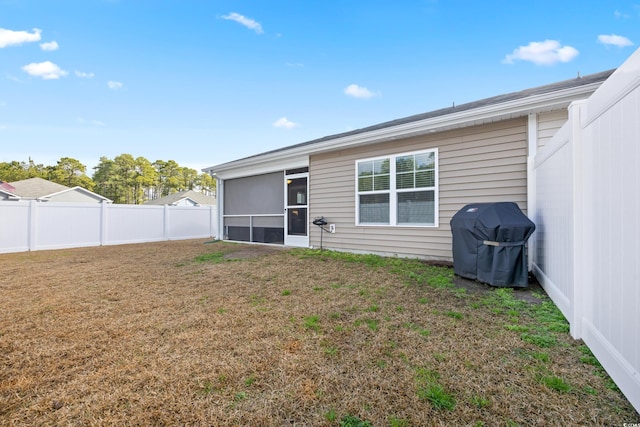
(211, 333)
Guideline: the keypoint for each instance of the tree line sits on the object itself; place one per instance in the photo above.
(123, 179)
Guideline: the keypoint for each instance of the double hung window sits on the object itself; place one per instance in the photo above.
(398, 190)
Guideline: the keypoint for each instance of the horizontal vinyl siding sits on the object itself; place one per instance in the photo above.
(477, 164)
(548, 125)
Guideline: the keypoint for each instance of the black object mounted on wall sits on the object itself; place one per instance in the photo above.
(321, 222)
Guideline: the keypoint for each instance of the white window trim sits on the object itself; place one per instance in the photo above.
(393, 200)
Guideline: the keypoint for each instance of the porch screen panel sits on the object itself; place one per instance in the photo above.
(268, 229)
(255, 195)
(238, 228)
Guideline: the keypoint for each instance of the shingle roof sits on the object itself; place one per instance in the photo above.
(34, 188)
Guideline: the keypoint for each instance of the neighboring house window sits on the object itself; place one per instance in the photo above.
(398, 190)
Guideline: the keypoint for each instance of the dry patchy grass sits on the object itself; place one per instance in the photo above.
(197, 333)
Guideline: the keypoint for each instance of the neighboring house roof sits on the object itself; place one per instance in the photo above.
(41, 189)
(7, 191)
(502, 107)
(34, 188)
(173, 199)
(6, 187)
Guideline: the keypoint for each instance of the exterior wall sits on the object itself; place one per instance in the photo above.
(485, 163)
(75, 197)
(185, 202)
(548, 125)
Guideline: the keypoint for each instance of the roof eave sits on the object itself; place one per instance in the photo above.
(485, 114)
(10, 196)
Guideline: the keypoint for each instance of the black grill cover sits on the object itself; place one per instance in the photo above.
(489, 243)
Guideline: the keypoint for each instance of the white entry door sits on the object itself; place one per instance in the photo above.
(296, 210)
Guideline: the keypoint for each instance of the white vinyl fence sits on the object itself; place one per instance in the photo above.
(586, 250)
(31, 225)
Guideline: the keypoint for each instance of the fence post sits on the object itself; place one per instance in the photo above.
(165, 231)
(212, 219)
(576, 293)
(103, 223)
(33, 225)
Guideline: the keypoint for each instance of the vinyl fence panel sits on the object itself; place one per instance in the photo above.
(587, 186)
(66, 225)
(134, 223)
(31, 225)
(14, 226)
(185, 222)
(611, 188)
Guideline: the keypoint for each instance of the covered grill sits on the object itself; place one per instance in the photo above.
(489, 243)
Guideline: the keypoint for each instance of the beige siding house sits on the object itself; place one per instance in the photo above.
(392, 188)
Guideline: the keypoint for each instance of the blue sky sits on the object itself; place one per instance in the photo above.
(204, 82)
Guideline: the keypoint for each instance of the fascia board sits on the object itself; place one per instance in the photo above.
(492, 112)
(10, 195)
(83, 190)
(260, 165)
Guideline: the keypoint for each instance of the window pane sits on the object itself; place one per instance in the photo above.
(373, 175)
(404, 180)
(425, 179)
(404, 164)
(381, 166)
(297, 221)
(374, 208)
(416, 207)
(365, 168)
(381, 182)
(425, 161)
(365, 183)
(297, 191)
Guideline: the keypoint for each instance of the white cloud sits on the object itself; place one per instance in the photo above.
(614, 40)
(547, 52)
(114, 85)
(84, 121)
(12, 77)
(84, 75)
(15, 38)
(46, 70)
(284, 123)
(243, 20)
(49, 46)
(358, 92)
(621, 15)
